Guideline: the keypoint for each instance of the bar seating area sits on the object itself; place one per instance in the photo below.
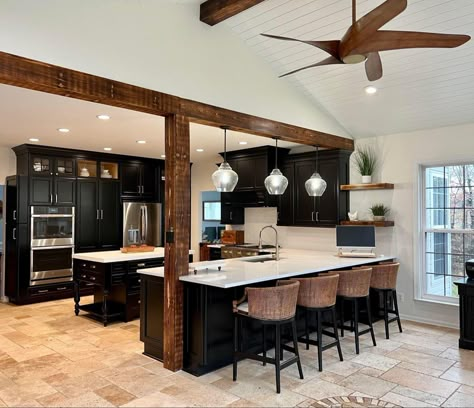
(321, 297)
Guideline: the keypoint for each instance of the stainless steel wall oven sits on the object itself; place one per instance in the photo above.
(52, 245)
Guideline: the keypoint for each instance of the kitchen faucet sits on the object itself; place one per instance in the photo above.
(277, 252)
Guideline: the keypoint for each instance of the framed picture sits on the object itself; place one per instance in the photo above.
(211, 210)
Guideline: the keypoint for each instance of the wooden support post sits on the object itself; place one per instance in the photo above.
(177, 225)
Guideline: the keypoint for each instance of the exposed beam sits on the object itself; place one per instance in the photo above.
(216, 11)
(177, 224)
(40, 76)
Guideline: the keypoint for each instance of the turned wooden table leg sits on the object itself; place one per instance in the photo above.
(77, 297)
(104, 307)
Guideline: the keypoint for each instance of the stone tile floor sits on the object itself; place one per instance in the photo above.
(49, 357)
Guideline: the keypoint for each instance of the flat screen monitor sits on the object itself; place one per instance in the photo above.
(355, 236)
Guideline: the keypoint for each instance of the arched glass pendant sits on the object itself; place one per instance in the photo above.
(224, 178)
(276, 183)
(315, 185)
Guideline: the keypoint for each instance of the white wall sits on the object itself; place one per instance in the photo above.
(7, 163)
(158, 45)
(401, 154)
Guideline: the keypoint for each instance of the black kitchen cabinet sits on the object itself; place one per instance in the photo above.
(64, 191)
(99, 215)
(232, 214)
(297, 208)
(139, 180)
(41, 190)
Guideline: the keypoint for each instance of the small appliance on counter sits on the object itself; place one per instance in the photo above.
(470, 268)
(232, 237)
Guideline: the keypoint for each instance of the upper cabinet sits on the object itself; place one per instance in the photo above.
(52, 166)
(140, 180)
(297, 208)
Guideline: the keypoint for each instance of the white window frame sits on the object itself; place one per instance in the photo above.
(420, 231)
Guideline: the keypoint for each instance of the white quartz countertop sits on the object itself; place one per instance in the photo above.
(239, 272)
(117, 256)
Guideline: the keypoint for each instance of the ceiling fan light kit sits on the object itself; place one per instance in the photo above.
(364, 40)
(276, 183)
(224, 178)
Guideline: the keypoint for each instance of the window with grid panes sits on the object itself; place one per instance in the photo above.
(448, 228)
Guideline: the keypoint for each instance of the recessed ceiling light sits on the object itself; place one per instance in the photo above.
(199, 150)
(103, 117)
(63, 130)
(370, 90)
(243, 143)
(34, 139)
(163, 156)
(141, 141)
(107, 149)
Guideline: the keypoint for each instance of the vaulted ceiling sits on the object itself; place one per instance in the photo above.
(421, 88)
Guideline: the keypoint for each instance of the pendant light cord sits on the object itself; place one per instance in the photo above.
(225, 145)
(353, 12)
(276, 152)
(317, 152)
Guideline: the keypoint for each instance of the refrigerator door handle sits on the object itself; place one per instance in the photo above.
(145, 224)
(142, 225)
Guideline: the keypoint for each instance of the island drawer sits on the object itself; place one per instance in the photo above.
(85, 275)
(94, 267)
(133, 266)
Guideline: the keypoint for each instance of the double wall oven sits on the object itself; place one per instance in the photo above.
(52, 245)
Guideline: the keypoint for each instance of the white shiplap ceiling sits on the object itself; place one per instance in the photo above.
(421, 88)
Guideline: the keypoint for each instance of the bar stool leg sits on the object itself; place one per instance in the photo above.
(295, 346)
(341, 317)
(264, 335)
(336, 334)
(395, 303)
(356, 325)
(277, 355)
(369, 318)
(306, 329)
(236, 347)
(385, 313)
(320, 342)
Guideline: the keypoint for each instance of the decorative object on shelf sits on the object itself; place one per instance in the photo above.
(315, 185)
(365, 160)
(61, 169)
(106, 174)
(364, 40)
(379, 211)
(84, 172)
(352, 216)
(224, 178)
(276, 183)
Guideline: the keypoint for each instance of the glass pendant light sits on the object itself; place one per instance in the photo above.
(315, 185)
(224, 178)
(276, 183)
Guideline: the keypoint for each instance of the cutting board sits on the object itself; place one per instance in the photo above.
(145, 248)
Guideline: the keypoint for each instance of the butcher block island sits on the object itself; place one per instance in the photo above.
(209, 289)
(116, 283)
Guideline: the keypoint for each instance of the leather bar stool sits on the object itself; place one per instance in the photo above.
(384, 281)
(353, 286)
(318, 295)
(274, 306)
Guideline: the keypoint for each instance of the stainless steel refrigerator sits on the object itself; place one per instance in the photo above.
(142, 224)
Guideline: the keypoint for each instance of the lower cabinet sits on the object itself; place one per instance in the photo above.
(152, 315)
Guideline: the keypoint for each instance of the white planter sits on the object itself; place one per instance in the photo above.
(366, 179)
(379, 217)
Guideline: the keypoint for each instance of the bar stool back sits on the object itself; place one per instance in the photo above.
(271, 306)
(318, 295)
(354, 285)
(384, 281)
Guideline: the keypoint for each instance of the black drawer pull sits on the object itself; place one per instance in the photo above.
(43, 291)
(93, 266)
(92, 278)
(139, 301)
(84, 276)
(84, 265)
(141, 265)
(63, 288)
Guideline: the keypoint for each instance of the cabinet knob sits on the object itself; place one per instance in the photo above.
(92, 278)
(93, 266)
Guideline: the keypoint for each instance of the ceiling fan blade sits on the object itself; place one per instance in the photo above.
(373, 66)
(397, 40)
(381, 15)
(327, 61)
(330, 46)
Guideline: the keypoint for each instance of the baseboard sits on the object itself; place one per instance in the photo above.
(433, 322)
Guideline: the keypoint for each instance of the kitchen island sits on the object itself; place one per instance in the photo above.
(209, 289)
(116, 283)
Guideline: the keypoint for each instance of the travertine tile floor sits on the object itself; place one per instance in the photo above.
(49, 357)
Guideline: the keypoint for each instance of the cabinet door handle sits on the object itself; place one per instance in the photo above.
(56, 198)
(141, 265)
(43, 291)
(63, 288)
(316, 218)
(98, 215)
(14, 215)
(101, 214)
(14, 234)
(139, 280)
(231, 215)
(51, 198)
(93, 266)
(312, 215)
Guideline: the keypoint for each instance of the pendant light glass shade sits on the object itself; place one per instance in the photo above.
(276, 183)
(315, 185)
(224, 178)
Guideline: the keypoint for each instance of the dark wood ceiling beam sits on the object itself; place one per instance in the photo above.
(40, 76)
(216, 11)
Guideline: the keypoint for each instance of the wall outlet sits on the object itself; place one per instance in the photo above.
(401, 297)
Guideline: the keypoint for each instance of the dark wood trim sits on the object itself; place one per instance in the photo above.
(40, 76)
(374, 223)
(368, 186)
(177, 226)
(216, 11)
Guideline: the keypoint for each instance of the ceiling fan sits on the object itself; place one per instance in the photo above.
(364, 40)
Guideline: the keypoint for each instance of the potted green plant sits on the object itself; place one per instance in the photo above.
(379, 211)
(365, 160)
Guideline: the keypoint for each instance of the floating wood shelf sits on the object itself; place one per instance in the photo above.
(368, 186)
(375, 223)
